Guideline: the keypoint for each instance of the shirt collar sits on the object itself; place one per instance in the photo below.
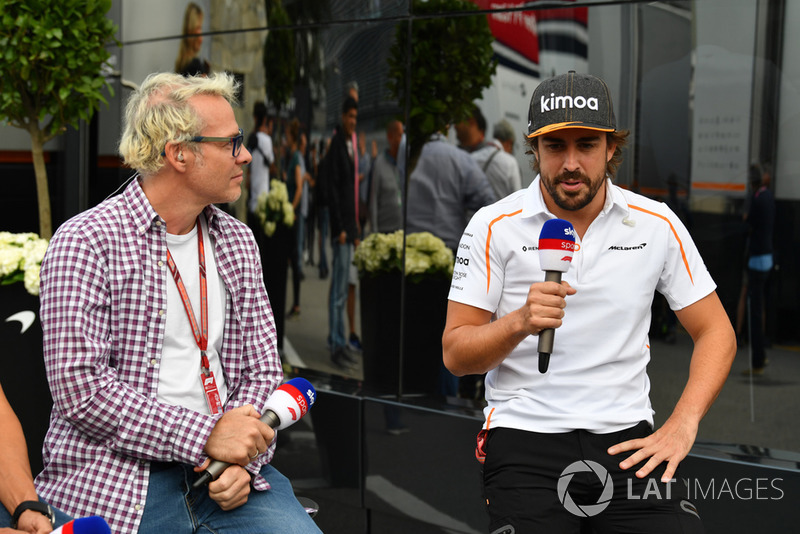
(143, 214)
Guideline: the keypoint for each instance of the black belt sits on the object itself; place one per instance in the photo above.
(162, 466)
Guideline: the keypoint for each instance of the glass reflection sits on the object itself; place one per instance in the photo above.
(703, 99)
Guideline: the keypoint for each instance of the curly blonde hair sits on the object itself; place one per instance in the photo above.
(160, 111)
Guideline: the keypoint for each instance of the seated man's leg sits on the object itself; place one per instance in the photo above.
(276, 510)
(172, 506)
(168, 500)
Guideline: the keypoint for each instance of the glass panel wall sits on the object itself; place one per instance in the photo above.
(706, 87)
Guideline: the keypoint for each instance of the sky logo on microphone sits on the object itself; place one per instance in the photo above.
(303, 394)
(556, 245)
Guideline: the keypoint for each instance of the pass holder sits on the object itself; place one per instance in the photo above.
(210, 389)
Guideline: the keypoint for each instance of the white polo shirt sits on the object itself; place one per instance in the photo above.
(597, 377)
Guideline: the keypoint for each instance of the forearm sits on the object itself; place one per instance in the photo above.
(711, 362)
(477, 349)
(16, 480)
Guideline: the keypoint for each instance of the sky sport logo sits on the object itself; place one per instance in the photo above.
(585, 510)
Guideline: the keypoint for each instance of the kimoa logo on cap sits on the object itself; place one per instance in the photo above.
(554, 102)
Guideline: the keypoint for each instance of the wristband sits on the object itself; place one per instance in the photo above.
(37, 506)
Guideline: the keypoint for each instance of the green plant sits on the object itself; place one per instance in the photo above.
(442, 69)
(278, 57)
(273, 208)
(20, 259)
(426, 255)
(51, 56)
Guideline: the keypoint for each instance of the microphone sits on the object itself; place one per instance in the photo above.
(84, 525)
(285, 406)
(556, 246)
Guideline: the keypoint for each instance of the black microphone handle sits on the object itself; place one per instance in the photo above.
(547, 335)
(216, 467)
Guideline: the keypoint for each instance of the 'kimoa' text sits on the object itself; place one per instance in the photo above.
(563, 102)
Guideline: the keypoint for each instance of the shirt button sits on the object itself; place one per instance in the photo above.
(153, 361)
(160, 313)
(137, 507)
(160, 263)
(158, 223)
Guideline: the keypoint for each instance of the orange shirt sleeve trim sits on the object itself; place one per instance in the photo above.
(489, 241)
(674, 232)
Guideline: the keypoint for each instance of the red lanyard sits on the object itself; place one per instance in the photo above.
(201, 332)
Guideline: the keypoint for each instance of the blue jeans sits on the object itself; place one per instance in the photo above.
(5, 516)
(337, 299)
(322, 221)
(172, 506)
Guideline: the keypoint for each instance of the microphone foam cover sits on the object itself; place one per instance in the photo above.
(291, 401)
(556, 245)
(85, 525)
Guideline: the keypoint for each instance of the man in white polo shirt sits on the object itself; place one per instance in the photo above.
(571, 445)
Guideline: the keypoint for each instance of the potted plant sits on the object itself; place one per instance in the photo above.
(277, 217)
(51, 73)
(428, 270)
(440, 67)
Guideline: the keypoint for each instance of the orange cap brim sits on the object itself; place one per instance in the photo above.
(563, 125)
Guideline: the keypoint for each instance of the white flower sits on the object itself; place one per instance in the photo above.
(274, 207)
(426, 255)
(10, 260)
(21, 258)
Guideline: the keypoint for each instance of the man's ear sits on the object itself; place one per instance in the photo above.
(612, 147)
(173, 154)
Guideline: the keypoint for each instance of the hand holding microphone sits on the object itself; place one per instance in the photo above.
(286, 406)
(556, 247)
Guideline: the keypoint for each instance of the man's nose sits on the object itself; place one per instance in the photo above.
(244, 156)
(571, 159)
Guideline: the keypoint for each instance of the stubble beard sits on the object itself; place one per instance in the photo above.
(568, 200)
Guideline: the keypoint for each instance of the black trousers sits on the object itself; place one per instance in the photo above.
(568, 483)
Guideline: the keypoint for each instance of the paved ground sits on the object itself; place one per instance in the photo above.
(758, 411)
